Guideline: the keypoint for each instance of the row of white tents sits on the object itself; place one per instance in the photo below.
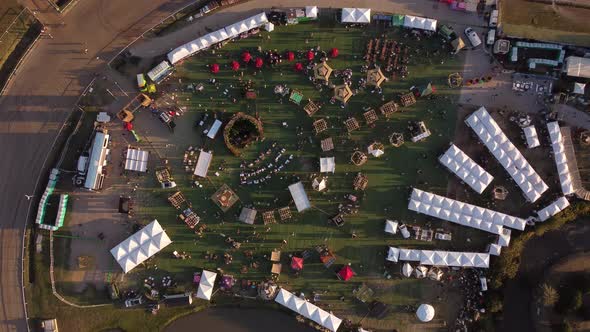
(466, 169)
(136, 160)
(532, 139)
(308, 310)
(462, 213)
(507, 154)
(557, 144)
(422, 23)
(215, 37)
(439, 257)
(140, 246)
(552, 209)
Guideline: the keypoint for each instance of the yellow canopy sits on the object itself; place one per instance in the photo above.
(342, 93)
(322, 71)
(375, 77)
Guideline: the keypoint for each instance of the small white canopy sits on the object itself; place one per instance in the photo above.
(319, 184)
(425, 313)
(407, 269)
(494, 249)
(356, 15)
(420, 271)
(205, 289)
(579, 88)
(203, 164)
(391, 226)
(532, 139)
(269, 27)
(311, 11)
(136, 160)
(327, 165)
(375, 152)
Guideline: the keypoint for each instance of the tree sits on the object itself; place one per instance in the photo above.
(549, 295)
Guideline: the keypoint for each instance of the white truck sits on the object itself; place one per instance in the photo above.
(493, 19)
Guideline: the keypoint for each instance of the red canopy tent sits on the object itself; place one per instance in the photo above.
(334, 52)
(310, 55)
(128, 126)
(298, 66)
(258, 63)
(346, 273)
(297, 263)
(235, 65)
(214, 68)
(246, 57)
(290, 56)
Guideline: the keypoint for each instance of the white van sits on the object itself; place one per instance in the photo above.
(473, 37)
(494, 19)
(491, 37)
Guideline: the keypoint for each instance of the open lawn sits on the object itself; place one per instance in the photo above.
(541, 21)
(390, 177)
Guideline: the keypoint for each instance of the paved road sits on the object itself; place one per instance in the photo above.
(38, 101)
(47, 85)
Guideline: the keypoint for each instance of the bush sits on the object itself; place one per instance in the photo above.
(565, 326)
(569, 301)
(549, 295)
(494, 303)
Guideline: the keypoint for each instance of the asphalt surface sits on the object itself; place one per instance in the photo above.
(49, 81)
(38, 101)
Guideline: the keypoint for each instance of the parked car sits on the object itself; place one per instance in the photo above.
(473, 37)
(404, 231)
(134, 302)
(491, 37)
(494, 18)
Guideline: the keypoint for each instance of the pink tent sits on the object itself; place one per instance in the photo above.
(310, 55)
(258, 63)
(346, 273)
(246, 57)
(214, 68)
(235, 65)
(334, 52)
(290, 56)
(298, 66)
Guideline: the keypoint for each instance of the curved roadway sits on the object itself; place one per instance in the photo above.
(49, 81)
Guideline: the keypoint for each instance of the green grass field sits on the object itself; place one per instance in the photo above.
(390, 177)
(13, 27)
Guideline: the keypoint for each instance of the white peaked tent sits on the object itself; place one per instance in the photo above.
(356, 15)
(375, 152)
(205, 289)
(425, 313)
(579, 88)
(332, 323)
(283, 297)
(319, 184)
(393, 254)
(391, 226)
(494, 249)
(203, 163)
(552, 209)
(295, 303)
(532, 139)
(311, 11)
(269, 27)
(420, 271)
(308, 309)
(439, 257)
(422, 23)
(466, 169)
(558, 146)
(299, 196)
(327, 165)
(140, 246)
(407, 269)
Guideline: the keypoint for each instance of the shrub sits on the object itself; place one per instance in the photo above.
(494, 303)
(549, 295)
(569, 301)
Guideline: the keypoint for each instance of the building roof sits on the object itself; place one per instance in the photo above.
(466, 169)
(490, 133)
(462, 213)
(375, 77)
(299, 196)
(96, 161)
(203, 163)
(136, 160)
(532, 139)
(247, 216)
(140, 246)
(577, 67)
(322, 71)
(342, 93)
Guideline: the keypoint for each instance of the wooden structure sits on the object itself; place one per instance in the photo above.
(276, 268)
(500, 193)
(190, 218)
(358, 158)
(236, 150)
(408, 99)
(375, 77)
(285, 213)
(224, 197)
(396, 139)
(342, 93)
(370, 116)
(360, 182)
(177, 199)
(268, 217)
(275, 256)
(163, 175)
(320, 125)
(322, 71)
(351, 124)
(388, 109)
(311, 108)
(327, 144)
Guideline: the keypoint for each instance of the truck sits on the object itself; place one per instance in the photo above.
(493, 19)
